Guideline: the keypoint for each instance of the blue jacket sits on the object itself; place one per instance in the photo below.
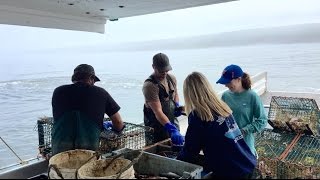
(225, 152)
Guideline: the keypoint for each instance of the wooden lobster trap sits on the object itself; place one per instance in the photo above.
(292, 149)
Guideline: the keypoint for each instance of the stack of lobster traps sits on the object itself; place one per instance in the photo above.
(292, 148)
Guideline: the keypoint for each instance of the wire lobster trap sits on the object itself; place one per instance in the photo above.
(133, 136)
(299, 115)
(303, 160)
(44, 127)
(270, 146)
(295, 144)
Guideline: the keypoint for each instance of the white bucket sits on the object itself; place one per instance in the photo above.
(100, 169)
(66, 163)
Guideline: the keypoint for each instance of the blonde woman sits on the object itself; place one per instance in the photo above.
(213, 130)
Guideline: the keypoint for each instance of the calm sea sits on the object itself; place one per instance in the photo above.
(27, 80)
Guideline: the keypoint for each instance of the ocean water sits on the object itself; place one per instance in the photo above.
(27, 80)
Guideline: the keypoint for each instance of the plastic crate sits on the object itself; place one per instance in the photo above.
(299, 115)
(154, 166)
(166, 149)
(162, 148)
(133, 137)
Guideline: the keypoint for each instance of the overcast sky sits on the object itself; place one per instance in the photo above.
(232, 16)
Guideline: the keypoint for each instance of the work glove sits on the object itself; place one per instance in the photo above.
(179, 110)
(176, 137)
(108, 126)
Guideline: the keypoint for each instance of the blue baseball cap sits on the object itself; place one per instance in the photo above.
(230, 72)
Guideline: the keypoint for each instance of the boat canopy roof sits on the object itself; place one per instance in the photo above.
(85, 15)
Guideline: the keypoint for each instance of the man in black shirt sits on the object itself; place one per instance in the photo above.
(78, 112)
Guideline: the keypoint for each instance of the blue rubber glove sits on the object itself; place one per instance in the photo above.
(176, 137)
(177, 110)
(108, 126)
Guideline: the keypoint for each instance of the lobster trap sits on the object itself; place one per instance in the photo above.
(299, 115)
(292, 149)
(133, 136)
(44, 127)
(303, 160)
(270, 147)
(271, 144)
(290, 157)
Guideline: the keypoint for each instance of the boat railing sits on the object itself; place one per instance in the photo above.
(259, 83)
(20, 164)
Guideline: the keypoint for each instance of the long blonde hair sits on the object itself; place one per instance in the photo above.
(200, 97)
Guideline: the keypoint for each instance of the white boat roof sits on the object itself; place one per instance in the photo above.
(85, 15)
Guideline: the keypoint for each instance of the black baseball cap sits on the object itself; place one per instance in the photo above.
(161, 62)
(84, 69)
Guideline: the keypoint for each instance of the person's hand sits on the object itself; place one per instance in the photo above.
(243, 132)
(178, 111)
(176, 137)
(109, 126)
